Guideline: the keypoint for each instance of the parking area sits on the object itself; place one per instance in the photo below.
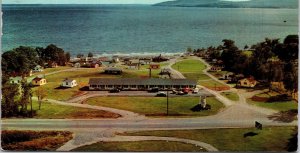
(148, 94)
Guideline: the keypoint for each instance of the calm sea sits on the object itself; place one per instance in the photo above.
(125, 29)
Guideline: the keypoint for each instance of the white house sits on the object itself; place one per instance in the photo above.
(77, 65)
(228, 76)
(37, 68)
(69, 83)
(15, 80)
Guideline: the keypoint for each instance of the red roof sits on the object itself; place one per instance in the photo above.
(37, 79)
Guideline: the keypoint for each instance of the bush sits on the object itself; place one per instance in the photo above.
(280, 98)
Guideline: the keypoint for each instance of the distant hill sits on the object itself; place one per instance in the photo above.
(230, 4)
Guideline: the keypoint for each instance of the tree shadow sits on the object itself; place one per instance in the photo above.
(285, 116)
(250, 134)
(293, 141)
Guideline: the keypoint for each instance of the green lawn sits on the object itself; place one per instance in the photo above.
(55, 111)
(144, 71)
(193, 69)
(49, 70)
(268, 139)
(156, 106)
(231, 96)
(260, 100)
(140, 146)
(280, 106)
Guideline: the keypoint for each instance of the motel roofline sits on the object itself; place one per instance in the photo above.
(139, 81)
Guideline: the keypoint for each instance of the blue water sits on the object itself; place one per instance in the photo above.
(140, 28)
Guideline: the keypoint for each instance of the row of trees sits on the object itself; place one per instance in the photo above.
(19, 61)
(23, 59)
(270, 60)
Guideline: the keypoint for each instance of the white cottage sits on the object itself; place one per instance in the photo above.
(69, 83)
(37, 68)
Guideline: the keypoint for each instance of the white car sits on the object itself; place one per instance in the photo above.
(196, 90)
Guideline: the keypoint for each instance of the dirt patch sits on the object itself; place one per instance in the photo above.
(259, 99)
(33, 140)
(95, 114)
(79, 93)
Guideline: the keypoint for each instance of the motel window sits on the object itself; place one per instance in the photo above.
(125, 86)
(66, 83)
(109, 86)
(245, 83)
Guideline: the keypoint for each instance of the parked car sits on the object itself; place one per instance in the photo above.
(115, 90)
(180, 93)
(186, 90)
(174, 92)
(161, 94)
(155, 89)
(196, 90)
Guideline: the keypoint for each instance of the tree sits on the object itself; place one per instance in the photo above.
(41, 93)
(53, 53)
(288, 51)
(9, 105)
(290, 78)
(189, 50)
(230, 55)
(68, 56)
(79, 55)
(25, 96)
(90, 54)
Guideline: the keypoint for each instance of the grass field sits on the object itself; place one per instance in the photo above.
(82, 77)
(54, 111)
(193, 69)
(280, 106)
(156, 106)
(140, 146)
(230, 95)
(268, 139)
(33, 140)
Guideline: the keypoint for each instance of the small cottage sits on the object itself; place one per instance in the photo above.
(69, 83)
(144, 61)
(247, 82)
(228, 76)
(37, 68)
(37, 81)
(15, 80)
(133, 66)
(77, 65)
(215, 69)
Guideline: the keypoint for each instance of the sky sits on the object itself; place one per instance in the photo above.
(81, 1)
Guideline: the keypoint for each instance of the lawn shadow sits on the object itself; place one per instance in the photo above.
(285, 116)
(61, 88)
(250, 134)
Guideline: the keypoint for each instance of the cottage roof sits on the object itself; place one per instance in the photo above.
(68, 80)
(37, 79)
(135, 81)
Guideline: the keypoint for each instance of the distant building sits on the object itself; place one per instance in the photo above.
(77, 65)
(38, 81)
(15, 80)
(113, 70)
(51, 64)
(144, 61)
(133, 66)
(159, 59)
(228, 76)
(215, 69)
(154, 66)
(247, 82)
(37, 68)
(69, 83)
(139, 84)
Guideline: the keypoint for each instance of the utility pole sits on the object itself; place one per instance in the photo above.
(167, 102)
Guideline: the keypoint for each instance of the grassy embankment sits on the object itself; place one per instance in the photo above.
(268, 139)
(141, 146)
(156, 106)
(55, 111)
(261, 101)
(231, 95)
(193, 69)
(33, 140)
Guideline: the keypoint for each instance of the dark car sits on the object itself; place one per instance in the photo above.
(155, 89)
(115, 90)
(161, 94)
